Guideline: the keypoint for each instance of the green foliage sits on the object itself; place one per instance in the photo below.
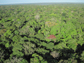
(43, 43)
(46, 33)
(8, 33)
(7, 45)
(63, 14)
(42, 50)
(24, 61)
(72, 44)
(82, 56)
(40, 36)
(35, 59)
(68, 61)
(31, 31)
(29, 48)
(39, 31)
(15, 60)
(48, 40)
(50, 46)
(43, 61)
(17, 50)
(36, 55)
(16, 32)
(16, 38)
(1, 55)
(2, 31)
(2, 21)
(24, 31)
(60, 46)
(53, 30)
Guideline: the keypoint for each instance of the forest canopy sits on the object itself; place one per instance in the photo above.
(42, 33)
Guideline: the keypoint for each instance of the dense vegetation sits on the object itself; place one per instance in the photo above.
(27, 31)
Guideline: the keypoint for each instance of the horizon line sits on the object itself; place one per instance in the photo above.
(41, 3)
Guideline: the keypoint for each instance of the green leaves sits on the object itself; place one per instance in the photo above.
(72, 44)
(53, 30)
(7, 45)
(42, 50)
(35, 59)
(24, 61)
(18, 53)
(29, 48)
(60, 46)
(2, 21)
(39, 31)
(16, 38)
(50, 46)
(82, 56)
(17, 48)
(63, 14)
(25, 30)
(16, 32)
(43, 43)
(40, 36)
(7, 33)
